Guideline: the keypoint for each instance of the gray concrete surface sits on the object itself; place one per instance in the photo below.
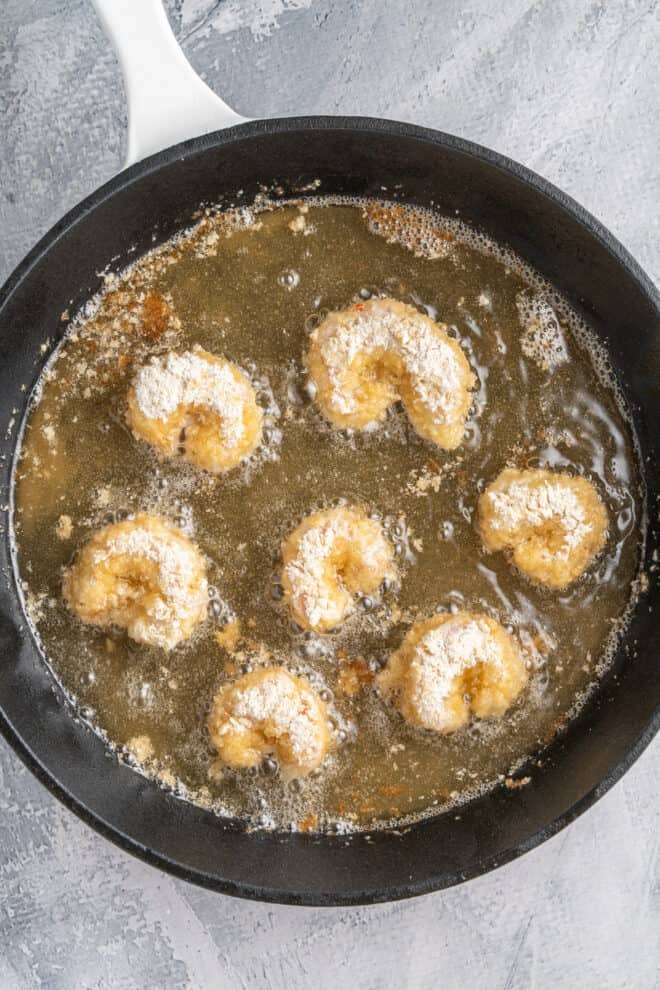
(571, 88)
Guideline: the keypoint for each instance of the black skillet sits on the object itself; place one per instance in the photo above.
(147, 204)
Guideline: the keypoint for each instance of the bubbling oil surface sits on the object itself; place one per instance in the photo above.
(251, 287)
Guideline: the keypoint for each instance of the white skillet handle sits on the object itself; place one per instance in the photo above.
(167, 101)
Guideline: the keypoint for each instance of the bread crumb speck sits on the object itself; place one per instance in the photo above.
(141, 748)
(229, 636)
(167, 778)
(297, 225)
(64, 527)
(514, 784)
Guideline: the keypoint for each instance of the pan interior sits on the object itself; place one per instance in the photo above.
(251, 285)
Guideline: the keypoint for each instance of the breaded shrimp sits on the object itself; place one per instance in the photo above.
(450, 667)
(330, 558)
(270, 712)
(365, 358)
(197, 406)
(553, 524)
(143, 575)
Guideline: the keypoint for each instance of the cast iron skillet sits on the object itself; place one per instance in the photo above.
(148, 203)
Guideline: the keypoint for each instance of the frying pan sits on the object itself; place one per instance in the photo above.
(146, 204)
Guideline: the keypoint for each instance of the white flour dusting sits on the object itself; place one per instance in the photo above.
(522, 504)
(432, 364)
(286, 709)
(442, 655)
(307, 573)
(165, 384)
(317, 593)
(182, 588)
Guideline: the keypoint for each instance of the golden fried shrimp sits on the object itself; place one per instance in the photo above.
(553, 524)
(143, 575)
(363, 359)
(270, 712)
(451, 666)
(330, 558)
(197, 406)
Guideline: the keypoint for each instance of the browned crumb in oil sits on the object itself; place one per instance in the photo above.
(158, 316)
(167, 778)
(555, 729)
(429, 479)
(515, 783)
(216, 771)
(393, 790)
(543, 643)
(135, 311)
(298, 224)
(353, 676)
(229, 636)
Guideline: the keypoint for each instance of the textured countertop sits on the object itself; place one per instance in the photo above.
(570, 88)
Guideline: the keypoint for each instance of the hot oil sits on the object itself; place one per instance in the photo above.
(254, 296)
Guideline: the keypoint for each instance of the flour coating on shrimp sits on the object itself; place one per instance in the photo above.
(452, 666)
(270, 711)
(277, 701)
(431, 363)
(143, 575)
(188, 379)
(520, 505)
(332, 556)
(552, 523)
(445, 653)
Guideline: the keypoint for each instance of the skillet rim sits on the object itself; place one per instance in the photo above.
(542, 187)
